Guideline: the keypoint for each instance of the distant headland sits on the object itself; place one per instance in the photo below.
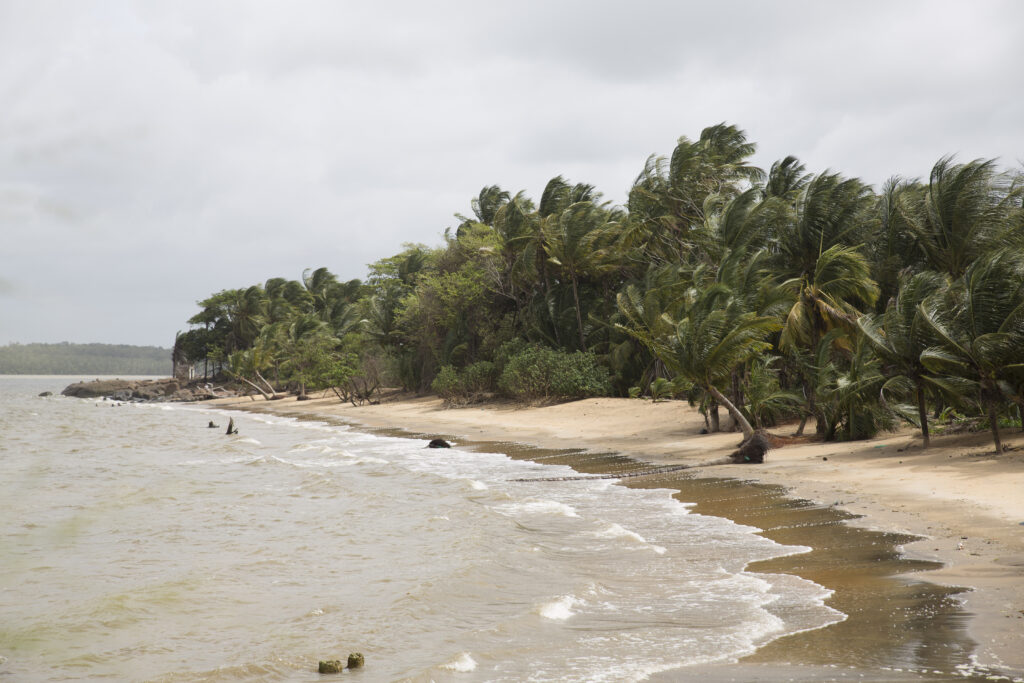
(89, 359)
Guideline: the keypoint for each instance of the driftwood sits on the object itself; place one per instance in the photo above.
(750, 451)
(232, 429)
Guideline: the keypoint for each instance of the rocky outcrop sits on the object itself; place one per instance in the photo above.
(145, 390)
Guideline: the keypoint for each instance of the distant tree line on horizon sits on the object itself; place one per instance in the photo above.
(84, 359)
(770, 295)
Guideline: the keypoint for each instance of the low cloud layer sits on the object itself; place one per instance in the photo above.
(153, 153)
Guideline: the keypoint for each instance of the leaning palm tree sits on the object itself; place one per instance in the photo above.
(899, 337)
(710, 341)
(979, 324)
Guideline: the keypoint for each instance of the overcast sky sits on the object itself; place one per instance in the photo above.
(154, 153)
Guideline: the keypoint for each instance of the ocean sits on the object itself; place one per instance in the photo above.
(138, 544)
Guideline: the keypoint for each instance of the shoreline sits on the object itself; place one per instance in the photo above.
(960, 500)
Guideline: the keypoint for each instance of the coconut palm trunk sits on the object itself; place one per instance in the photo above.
(922, 413)
(993, 422)
(737, 416)
(579, 316)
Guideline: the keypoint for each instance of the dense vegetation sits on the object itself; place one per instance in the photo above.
(769, 295)
(83, 359)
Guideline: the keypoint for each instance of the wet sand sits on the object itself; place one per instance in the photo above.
(914, 613)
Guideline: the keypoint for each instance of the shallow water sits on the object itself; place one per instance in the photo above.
(174, 552)
(137, 544)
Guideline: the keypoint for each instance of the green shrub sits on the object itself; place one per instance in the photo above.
(660, 388)
(446, 384)
(537, 373)
(477, 378)
(462, 386)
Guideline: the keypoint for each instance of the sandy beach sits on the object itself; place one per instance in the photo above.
(959, 497)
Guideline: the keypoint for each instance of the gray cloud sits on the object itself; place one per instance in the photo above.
(153, 153)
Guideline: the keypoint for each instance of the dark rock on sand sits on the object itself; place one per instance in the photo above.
(46, 393)
(438, 443)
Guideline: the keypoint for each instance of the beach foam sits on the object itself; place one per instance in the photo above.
(560, 609)
(461, 664)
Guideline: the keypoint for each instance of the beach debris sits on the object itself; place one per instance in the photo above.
(46, 393)
(438, 443)
(355, 660)
(330, 666)
(752, 450)
(232, 429)
(212, 425)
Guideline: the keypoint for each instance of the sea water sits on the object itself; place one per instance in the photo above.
(136, 543)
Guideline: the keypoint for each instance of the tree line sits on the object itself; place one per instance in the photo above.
(80, 359)
(766, 295)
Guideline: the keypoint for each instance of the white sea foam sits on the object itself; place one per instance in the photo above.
(462, 664)
(536, 506)
(249, 439)
(619, 531)
(477, 485)
(560, 609)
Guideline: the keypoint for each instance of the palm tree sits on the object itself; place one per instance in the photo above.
(893, 249)
(979, 324)
(668, 199)
(899, 337)
(713, 340)
(713, 337)
(826, 279)
(574, 240)
(962, 212)
(786, 179)
(294, 340)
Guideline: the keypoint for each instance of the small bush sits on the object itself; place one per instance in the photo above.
(463, 386)
(446, 384)
(537, 373)
(660, 388)
(477, 378)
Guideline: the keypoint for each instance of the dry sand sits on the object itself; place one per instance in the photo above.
(965, 502)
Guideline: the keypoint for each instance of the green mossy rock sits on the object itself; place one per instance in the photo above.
(331, 666)
(355, 660)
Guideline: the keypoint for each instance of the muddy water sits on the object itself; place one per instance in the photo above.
(137, 544)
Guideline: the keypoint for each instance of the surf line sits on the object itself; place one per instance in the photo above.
(750, 451)
(644, 473)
